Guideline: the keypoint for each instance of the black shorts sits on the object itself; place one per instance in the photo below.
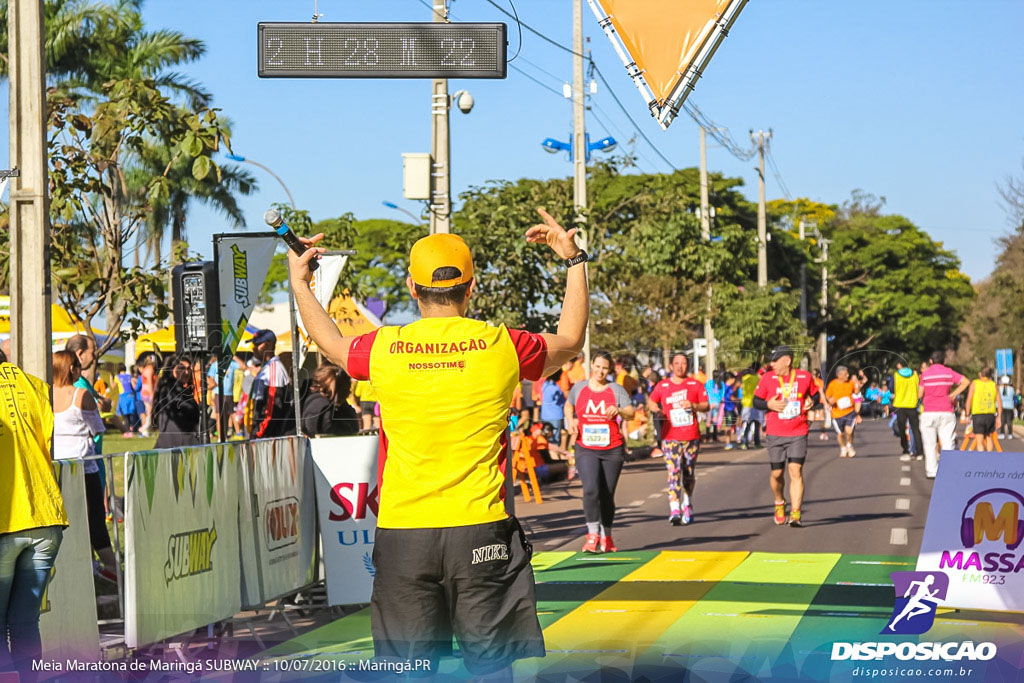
(226, 404)
(848, 421)
(474, 582)
(783, 449)
(984, 425)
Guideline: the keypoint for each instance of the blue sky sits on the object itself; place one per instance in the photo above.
(917, 101)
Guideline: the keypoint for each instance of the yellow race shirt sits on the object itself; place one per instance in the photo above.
(905, 391)
(27, 486)
(444, 386)
(984, 400)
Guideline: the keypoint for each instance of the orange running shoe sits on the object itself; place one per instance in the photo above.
(592, 544)
(780, 513)
(608, 545)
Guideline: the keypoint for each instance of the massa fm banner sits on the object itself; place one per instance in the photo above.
(666, 45)
(975, 529)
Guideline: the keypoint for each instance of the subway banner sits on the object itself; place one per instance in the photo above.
(975, 528)
(181, 522)
(347, 496)
(279, 535)
(243, 262)
(67, 618)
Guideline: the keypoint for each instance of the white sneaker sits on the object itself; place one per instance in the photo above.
(842, 451)
(905, 457)
(850, 452)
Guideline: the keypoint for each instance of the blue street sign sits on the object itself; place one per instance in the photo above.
(1004, 362)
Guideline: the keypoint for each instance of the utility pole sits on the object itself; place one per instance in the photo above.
(579, 148)
(440, 150)
(29, 208)
(705, 234)
(803, 284)
(762, 220)
(823, 336)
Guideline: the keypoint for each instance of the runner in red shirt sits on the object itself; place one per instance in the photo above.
(680, 398)
(787, 394)
(592, 414)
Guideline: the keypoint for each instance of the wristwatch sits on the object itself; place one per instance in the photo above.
(579, 258)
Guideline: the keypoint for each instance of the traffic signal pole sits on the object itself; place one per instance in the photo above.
(29, 207)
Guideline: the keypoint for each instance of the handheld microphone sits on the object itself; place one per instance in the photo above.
(273, 218)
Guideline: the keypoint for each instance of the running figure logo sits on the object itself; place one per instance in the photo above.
(917, 596)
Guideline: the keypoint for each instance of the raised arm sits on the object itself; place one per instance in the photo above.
(319, 325)
(567, 341)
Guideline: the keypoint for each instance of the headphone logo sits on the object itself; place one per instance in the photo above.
(986, 524)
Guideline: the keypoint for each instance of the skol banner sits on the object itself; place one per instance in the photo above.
(325, 279)
(67, 619)
(242, 265)
(181, 524)
(975, 529)
(278, 545)
(347, 497)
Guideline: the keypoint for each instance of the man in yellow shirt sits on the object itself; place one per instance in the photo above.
(32, 517)
(904, 400)
(984, 409)
(448, 558)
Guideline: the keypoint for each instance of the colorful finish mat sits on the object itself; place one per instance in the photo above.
(712, 616)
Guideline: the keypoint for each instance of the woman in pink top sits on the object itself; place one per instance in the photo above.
(937, 389)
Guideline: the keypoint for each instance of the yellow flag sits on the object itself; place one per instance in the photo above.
(665, 38)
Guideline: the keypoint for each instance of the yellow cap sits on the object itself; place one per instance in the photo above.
(442, 250)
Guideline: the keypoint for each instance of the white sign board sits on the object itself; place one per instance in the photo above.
(181, 522)
(975, 530)
(67, 618)
(284, 526)
(347, 496)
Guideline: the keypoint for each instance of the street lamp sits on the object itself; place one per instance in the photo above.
(410, 214)
(241, 159)
(605, 144)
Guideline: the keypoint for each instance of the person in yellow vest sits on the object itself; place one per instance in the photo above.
(448, 557)
(984, 409)
(32, 516)
(904, 400)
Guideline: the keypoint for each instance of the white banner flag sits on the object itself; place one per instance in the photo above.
(243, 263)
(181, 524)
(283, 528)
(67, 618)
(347, 498)
(975, 530)
(325, 279)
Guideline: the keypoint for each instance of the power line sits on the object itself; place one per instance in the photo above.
(719, 133)
(532, 29)
(540, 68)
(543, 85)
(626, 112)
(775, 169)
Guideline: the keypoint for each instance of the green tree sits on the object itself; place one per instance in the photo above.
(752, 320)
(892, 289)
(96, 213)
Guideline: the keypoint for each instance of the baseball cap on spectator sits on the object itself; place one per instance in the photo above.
(442, 250)
(780, 351)
(1005, 379)
(262, 336)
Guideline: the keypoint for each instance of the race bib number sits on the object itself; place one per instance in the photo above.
(844, 402)
(791, 412)
(597, 436)
(681, 417)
